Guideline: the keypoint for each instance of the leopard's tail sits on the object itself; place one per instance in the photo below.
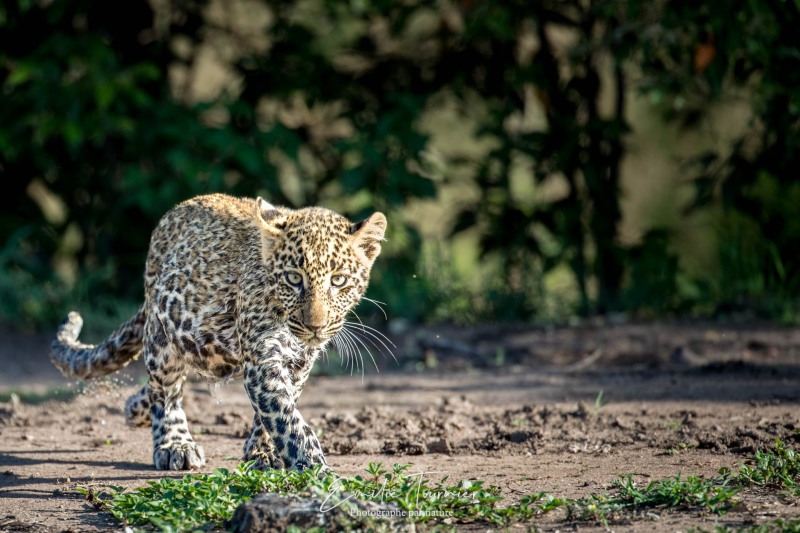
(84, 361)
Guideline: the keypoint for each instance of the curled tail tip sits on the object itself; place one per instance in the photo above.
(70, 329)
(66, 338)
(74, 317)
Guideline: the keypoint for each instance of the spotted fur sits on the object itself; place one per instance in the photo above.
(234, 287)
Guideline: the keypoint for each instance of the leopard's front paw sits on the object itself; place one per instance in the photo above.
(265, 461)
(263, 453)
(306, 460)
(304, 465)
(179, 455)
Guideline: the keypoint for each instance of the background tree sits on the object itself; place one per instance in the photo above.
(697, 54)
(112, 114)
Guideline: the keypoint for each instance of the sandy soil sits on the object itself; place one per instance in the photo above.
(559, 410)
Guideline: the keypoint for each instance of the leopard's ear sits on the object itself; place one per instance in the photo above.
(366, 237)
(270, 219)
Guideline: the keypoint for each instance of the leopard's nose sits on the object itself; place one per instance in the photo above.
(315, 328)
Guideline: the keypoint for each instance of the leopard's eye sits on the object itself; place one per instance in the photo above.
(338, 280)
(295, 279)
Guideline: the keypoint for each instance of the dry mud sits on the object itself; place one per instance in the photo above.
(559, 410)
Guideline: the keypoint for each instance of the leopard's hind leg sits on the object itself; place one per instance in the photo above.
(174, 447)
(137, 409)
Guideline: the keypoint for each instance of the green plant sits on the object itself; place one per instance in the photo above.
(203, 501)
(198, 501)
(776, 526)
(693, 492)
(778, 468)
(690, 492)
(598, 403)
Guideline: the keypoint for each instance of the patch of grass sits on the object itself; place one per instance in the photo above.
(209, 500)
(677, 450)
(598, 404)
(673, 424)
(204, 501)
(776, 468)
(692, 492)
(776, 526)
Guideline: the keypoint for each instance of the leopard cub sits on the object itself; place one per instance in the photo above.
(234, 287)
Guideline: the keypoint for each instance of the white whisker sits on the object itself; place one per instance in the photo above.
(348, 347)
(377, 304)
(338, 345)
(357, 318)
(366, 327)
(346, 353)
(374, 334)
(352, 353)
(371, 337)
(361, 342)
(353, 340)
(343, 353)
(356, 358)
(381, 334)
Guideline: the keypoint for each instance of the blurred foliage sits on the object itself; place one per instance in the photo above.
(695, 54)
(579, 145)
(109, 119)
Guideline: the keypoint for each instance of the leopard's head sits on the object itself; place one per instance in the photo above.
(318, 265)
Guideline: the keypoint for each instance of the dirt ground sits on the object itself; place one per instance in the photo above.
(562, 410)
